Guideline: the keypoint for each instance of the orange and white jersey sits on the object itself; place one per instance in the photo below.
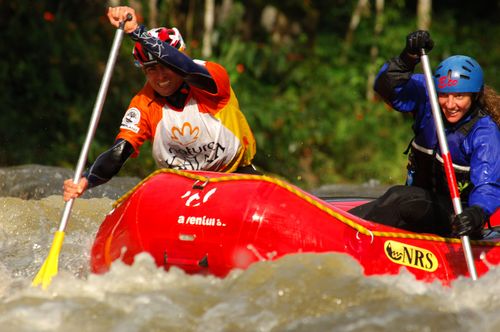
(209, 133)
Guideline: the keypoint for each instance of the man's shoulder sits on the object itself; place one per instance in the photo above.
(144, 97)
(211, 66)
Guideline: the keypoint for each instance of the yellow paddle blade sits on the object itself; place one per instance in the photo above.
(49, 267)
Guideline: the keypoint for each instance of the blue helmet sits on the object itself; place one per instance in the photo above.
(459, 73)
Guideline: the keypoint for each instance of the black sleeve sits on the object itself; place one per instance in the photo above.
(194, 74)
(396, 72)
(108, 163)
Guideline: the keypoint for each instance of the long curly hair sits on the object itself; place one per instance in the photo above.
(489, 99)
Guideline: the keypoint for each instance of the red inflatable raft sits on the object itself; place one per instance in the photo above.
(211, 223)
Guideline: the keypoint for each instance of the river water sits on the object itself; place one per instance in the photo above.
(303, 292)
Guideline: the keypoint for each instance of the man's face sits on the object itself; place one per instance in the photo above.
(163, 80)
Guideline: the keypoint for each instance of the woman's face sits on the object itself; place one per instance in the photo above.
(163, 80)
(455, 105)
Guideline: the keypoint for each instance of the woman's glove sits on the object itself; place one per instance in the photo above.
(415, 42)
(418, 40)
(470, 222)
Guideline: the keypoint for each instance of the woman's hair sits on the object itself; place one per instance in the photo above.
(490, 101)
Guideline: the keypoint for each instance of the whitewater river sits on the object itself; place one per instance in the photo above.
(306, 292)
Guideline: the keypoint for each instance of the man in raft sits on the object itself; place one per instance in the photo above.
(187, 108)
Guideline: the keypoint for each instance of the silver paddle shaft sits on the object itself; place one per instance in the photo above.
(96, 114)
(443, 144)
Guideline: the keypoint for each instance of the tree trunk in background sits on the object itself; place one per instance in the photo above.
(173, 16)
(355, 19)
(379, 25)
(190, 20)
(424, 9)
(209, 27)
(153, 14)
(226, 8)
(136, 4)
(353, 24)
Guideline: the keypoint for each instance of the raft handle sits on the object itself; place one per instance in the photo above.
(197, 185)
(203, 262)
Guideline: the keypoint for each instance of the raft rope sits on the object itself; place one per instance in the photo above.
(304, 196)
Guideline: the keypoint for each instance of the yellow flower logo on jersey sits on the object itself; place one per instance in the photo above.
(186, 135)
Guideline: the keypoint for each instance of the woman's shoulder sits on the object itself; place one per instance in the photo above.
(485, 131)
(487, 122)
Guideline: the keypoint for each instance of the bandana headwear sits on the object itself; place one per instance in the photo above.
(172, 36)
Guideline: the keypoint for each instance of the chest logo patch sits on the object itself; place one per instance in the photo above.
(185, 135)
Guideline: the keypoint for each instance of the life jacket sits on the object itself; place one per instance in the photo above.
(426, 166)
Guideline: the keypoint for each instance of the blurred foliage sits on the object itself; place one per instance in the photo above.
(303, 92)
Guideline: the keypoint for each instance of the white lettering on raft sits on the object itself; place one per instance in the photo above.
(195, 199)
(200, 221)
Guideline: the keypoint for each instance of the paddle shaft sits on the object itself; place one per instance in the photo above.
(96, 114)
(448, 165)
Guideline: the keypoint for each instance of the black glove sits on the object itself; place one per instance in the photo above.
(470, 222)
(418, 40)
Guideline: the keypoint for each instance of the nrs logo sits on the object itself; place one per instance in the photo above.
(405, 254)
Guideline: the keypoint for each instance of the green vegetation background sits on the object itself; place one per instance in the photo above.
(304, 98)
